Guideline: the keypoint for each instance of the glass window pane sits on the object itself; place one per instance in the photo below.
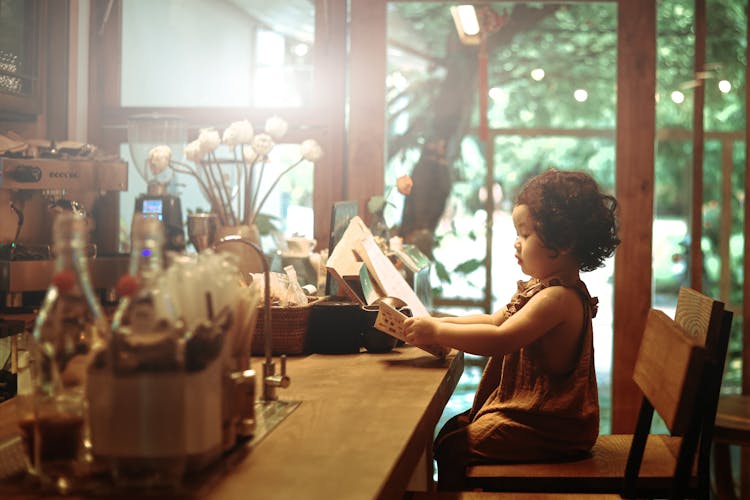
(551, 103)
(289, 199)
(191, 53)
(723, 196)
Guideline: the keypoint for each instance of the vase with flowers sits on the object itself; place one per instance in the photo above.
(233, 185)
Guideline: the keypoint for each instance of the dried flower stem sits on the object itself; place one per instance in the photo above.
(218, 187)
(184, 168)
(249, 198)
(253, 208)
(270, 189)
(240, 180)
(219, 208)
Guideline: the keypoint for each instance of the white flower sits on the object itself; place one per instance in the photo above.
(311, 150)
(209, 140)
(229, 184)
(158, 159)
(262, 144)
(193, 151)
(238, 133)
(276, 127)
(249, 153)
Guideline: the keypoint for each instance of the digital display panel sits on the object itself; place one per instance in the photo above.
(153, 208)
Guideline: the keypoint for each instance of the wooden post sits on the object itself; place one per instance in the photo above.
(330, 89)
(366, 159)
(745, 458)
(696, 210)
(636, 128)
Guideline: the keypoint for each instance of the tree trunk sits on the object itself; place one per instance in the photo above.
(450, 121)
(432, 173)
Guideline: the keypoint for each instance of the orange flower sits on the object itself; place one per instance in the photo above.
(404, 185)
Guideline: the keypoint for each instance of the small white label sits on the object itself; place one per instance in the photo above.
(391, 321)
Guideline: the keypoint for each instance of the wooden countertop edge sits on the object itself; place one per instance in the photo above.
(395, 486)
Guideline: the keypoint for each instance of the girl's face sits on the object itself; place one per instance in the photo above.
(535, 259)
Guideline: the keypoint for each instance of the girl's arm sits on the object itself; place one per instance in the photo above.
(489, 319)
(543, 312)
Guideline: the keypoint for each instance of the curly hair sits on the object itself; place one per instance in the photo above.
(571, 213)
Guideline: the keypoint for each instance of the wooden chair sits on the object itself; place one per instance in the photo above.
(732, 428)
(644, 464)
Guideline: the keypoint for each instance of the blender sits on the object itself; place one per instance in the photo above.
(146, 131)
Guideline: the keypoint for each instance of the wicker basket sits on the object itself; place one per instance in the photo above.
(289, 330)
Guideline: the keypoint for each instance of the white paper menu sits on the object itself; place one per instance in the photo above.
(387, 277)
(391, 321)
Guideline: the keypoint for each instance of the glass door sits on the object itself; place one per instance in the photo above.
(545, 79)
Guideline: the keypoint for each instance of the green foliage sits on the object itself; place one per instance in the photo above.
(442, 273)
(469, 266)
(267, 223)
(576, 48)
(576, 45)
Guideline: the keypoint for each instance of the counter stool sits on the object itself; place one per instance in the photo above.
(642, 464)
(732, 427)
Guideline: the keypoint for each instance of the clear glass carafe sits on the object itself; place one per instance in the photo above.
(69, 329)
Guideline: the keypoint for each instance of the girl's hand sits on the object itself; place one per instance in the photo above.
(421, 331)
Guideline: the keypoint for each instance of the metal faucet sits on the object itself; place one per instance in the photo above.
(271, 380)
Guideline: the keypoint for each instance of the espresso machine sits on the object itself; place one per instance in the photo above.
(33, 189)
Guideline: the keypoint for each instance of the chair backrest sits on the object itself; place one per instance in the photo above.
(668, 370)
(701, 317)
(701, 323)
(705, 318)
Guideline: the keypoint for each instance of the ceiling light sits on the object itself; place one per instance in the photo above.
(467, 23)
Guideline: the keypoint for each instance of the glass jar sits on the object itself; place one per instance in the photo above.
(69, 329)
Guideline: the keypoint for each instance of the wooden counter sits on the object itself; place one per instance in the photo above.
(364, 427)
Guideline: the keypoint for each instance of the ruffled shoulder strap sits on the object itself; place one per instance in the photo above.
(593, 302)
(527, 289)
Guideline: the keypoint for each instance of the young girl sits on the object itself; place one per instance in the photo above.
(537, 399)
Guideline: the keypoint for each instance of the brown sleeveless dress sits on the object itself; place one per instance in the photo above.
(521, 412)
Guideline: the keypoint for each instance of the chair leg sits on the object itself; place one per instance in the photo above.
(723, 472)
(745, 473)
(637, 447)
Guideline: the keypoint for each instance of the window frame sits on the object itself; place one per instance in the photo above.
(322, 119)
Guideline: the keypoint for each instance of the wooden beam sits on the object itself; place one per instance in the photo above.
(367, 142)
(56, 89)
(330, 92)
(696, 206)
(746, 246)
(105, 42)
(636, 127)
(725, 220)
(745, 452)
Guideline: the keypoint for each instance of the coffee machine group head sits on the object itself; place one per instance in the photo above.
(145, 132)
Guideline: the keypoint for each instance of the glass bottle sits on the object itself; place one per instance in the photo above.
(137, 426)
(69, 329)
(144, 318)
